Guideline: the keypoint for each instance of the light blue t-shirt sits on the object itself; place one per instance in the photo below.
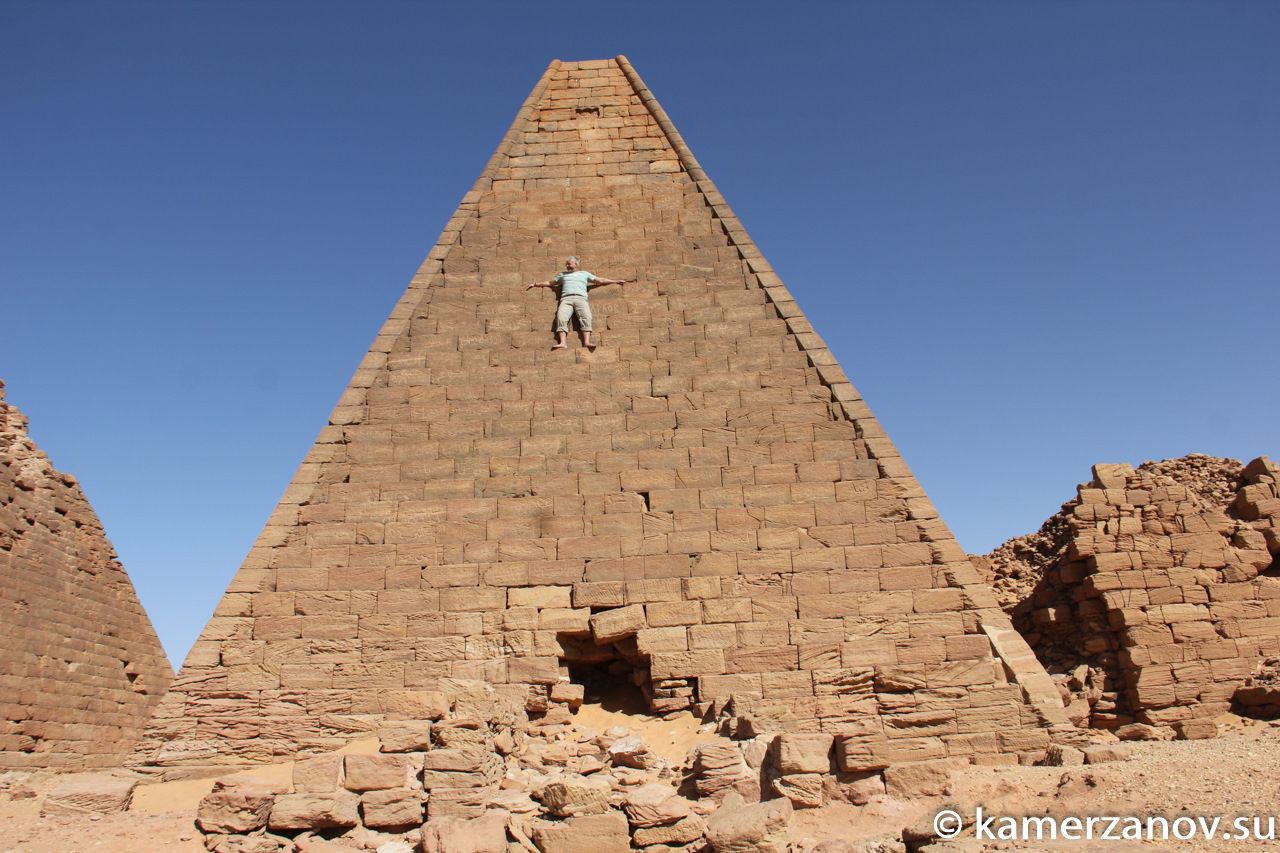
(574, 283)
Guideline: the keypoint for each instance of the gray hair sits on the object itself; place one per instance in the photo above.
(573, 258)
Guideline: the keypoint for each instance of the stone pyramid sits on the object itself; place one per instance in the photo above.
(81, 667)
(703, 506)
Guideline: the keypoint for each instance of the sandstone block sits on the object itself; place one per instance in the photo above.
(375, 772)
(392, 807)
(653, 805)
(1058, 755)
(1100, 753)
(314, 811)
(797, 752)
(229, 812)
(717, 767)
(804, 790)
(854, 755)
(602, 833)
(482, 834)
(406, 736)
(1142, 731)
(610, 625)
(567, 693)
(855, 788)
(90, 792)
(460, 768)
(575, 796)
(736, 827)
(921, 779)
(683, 831)
(541, 597)
(320, 775)
(632, 751)
(571, 620)
(461, 803)
(1195, 729)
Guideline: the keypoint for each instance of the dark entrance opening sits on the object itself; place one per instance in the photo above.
(617, 676)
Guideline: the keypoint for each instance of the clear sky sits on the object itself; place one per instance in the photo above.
(1037, 235)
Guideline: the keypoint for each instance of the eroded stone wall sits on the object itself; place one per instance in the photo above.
(80, 665)
(1162, 580)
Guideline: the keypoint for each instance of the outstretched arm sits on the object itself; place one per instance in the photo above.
(599, 281)
(547, 283)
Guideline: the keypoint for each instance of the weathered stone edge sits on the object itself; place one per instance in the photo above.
(814, 347)
(399, 318)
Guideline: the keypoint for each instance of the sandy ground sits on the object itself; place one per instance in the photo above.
(1236, 774)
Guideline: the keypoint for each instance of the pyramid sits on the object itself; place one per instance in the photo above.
(703, 506)
(81, 667)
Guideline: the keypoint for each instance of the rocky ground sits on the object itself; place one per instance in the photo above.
(1234, 775)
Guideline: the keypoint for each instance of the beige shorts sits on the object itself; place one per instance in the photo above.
(570, 305)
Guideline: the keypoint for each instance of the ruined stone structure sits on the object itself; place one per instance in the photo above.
(703, 506)
(1163, 581)
(80, 665)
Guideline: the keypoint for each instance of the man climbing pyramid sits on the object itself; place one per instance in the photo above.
(574, 283)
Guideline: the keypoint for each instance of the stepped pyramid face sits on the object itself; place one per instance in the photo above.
(703, 505)
(80, 666)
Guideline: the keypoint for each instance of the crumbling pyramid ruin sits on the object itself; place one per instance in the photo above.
(703, 506)
(81, 667)
(1162, 584)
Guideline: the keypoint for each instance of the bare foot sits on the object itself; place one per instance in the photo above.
(560, 346)
(590, 347)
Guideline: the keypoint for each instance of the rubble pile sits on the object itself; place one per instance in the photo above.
(1151, 596)
(485, 783)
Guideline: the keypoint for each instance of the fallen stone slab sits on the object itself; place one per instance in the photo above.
(804, 790)
(1141, 731)
(736, 827)
(653, 805)
(241, 844)
(921, 779)
(100, 793)
(855, 788)
(717, 767)
(1195, 729)
(632, 751)
(602, 833)
(677, 834)
(1101, 753)
(484, 834)
(309, 844)
(575, 796)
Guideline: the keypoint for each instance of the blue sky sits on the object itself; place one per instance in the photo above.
(1037, 235)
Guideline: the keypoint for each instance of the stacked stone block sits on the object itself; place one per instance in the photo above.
(1174, 597)
(703, 505)
(80, 665)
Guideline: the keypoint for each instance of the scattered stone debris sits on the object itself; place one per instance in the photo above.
(562, 788)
